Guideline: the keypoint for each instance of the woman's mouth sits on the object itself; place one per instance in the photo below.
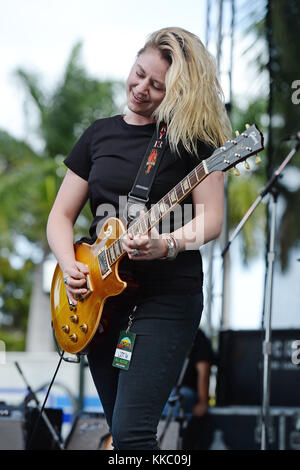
(136, 99)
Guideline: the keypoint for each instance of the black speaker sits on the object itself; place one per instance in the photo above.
(12, 424)
(239, 428)
(89, 432)
(42, 439)
(240, 368)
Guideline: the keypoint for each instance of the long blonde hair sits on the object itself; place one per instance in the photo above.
(193, 107)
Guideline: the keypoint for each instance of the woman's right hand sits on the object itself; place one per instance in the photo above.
(74, 276)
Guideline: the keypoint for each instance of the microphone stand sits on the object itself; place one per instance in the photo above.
(41, 413)
(267, 345)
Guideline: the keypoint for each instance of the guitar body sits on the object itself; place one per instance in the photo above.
(75, 326)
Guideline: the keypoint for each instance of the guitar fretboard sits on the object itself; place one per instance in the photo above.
(147, 221)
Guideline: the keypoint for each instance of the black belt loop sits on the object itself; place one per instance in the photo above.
(139, 194)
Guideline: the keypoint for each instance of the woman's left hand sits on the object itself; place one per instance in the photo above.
(200, 409)
(145, 247)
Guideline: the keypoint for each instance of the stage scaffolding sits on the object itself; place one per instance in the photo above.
(219, 39)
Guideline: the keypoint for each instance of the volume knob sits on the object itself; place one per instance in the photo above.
(74, 318)
(73, 338)
(84, 327)
(65, 328)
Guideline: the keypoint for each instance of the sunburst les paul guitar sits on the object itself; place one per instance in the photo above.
(76, 325)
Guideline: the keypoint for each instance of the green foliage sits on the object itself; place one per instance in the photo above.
(285, 23)
(276, 23)
(289, 225)
(244, 189)
(15, 290)
(285, 69)
(27, 191)
(13, 340)
(76, 102)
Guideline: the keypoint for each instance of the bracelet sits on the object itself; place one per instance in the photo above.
(173, 248)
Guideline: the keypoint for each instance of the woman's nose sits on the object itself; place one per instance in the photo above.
(142, 86)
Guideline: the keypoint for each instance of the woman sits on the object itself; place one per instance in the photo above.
(172, 81)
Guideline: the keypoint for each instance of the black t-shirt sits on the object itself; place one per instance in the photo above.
(108, 155)
(201, 351)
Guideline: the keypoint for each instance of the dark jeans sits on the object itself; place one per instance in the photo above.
(190, 398)
(133, 400)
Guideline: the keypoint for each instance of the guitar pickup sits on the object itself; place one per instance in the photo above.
(89, 288)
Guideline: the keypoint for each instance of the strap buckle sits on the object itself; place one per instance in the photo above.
(134, 207)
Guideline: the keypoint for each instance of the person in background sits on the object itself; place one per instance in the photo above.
(194, 386)
(197, 376)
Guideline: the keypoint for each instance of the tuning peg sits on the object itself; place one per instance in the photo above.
(247, 126)
(257, 160)
(247, 166)
(237, 133)
(236, 172)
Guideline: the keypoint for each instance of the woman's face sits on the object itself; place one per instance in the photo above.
(145, 86)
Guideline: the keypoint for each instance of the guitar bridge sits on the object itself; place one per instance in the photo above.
(71, 305)
(81, 297)
(89, 288)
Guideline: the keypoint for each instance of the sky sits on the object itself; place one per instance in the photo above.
(38, 36)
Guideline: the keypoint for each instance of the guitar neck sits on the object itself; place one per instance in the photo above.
(228, 156)
(148, 220)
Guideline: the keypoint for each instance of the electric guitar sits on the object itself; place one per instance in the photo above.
(75, 325)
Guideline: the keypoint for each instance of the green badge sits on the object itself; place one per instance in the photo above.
(124, 349)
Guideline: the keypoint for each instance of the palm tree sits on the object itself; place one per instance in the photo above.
(30, 179)
(276, 25)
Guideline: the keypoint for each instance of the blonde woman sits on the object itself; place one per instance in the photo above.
(173, 81)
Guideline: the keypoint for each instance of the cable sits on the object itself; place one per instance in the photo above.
(43, 406)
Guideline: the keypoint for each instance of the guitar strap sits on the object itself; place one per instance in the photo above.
(139, 194)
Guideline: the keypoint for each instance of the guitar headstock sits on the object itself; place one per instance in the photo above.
(234, 151)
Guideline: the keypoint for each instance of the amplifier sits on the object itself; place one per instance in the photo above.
(18, 423)
(90, 432)
(240, 368)
(11, 428)
(239, 428)
(42, 438)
